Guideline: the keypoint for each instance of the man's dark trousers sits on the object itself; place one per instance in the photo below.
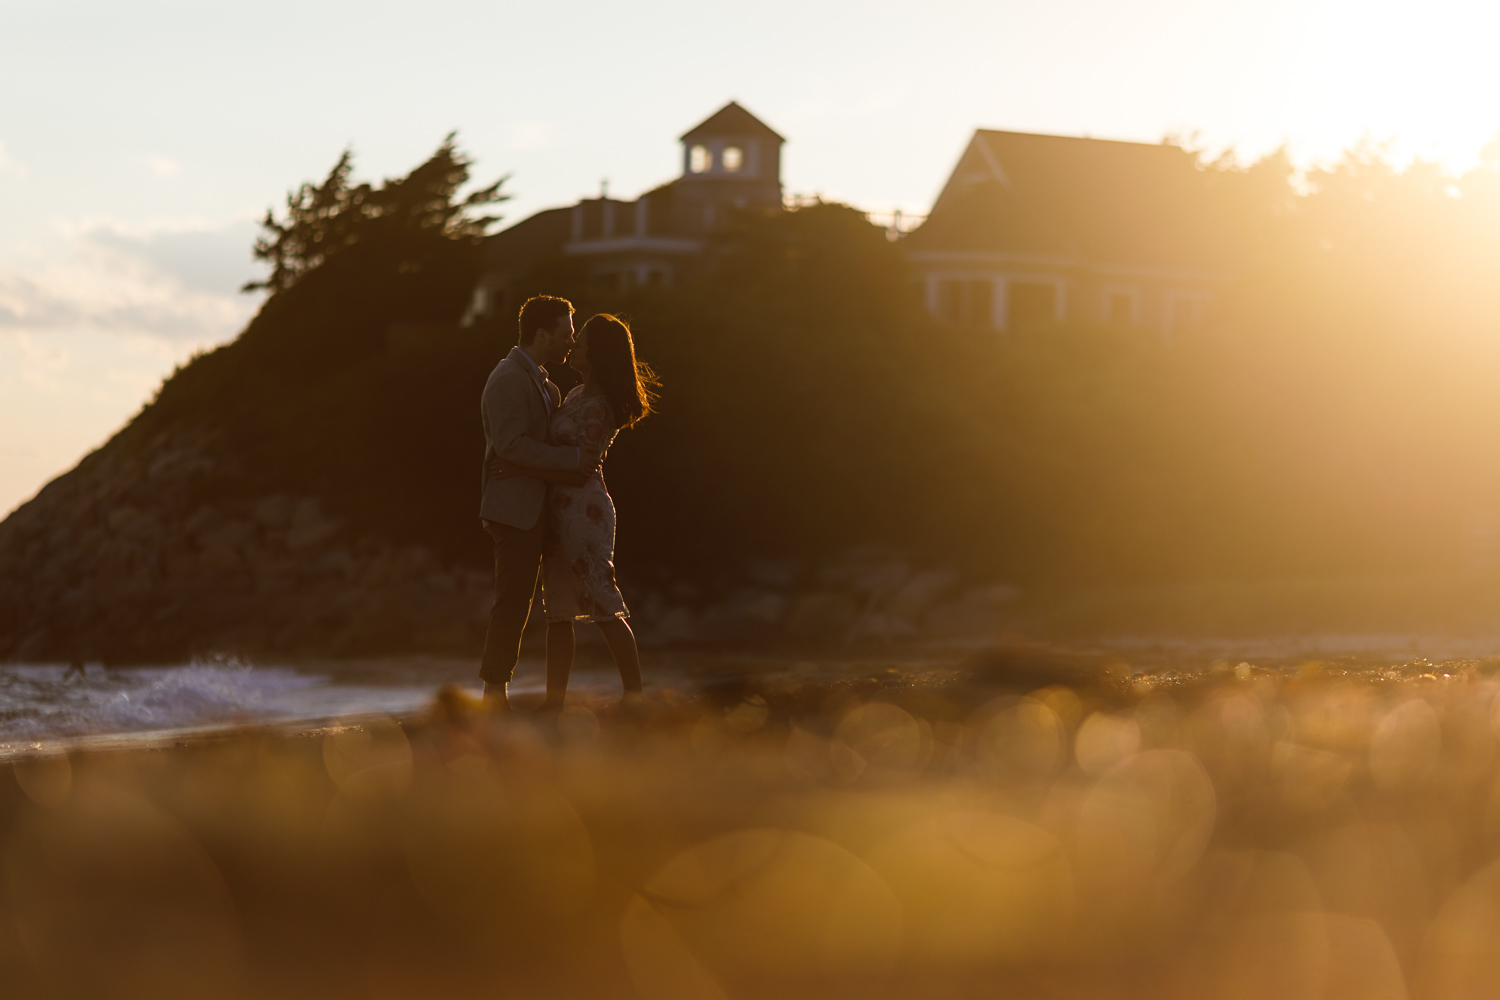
(518, 562)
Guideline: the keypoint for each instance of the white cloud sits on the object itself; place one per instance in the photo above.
(9, 164)
(41, 364)
(163, 166)
(173, 285)
(86, 335)
(529, 135)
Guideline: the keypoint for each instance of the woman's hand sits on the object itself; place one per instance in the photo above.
(498, 469)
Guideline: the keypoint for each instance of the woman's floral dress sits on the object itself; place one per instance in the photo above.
(578, 573)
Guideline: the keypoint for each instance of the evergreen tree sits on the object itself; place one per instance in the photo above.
(324, 219)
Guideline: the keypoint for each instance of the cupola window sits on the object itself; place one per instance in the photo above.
(734, 159)
(699, 159)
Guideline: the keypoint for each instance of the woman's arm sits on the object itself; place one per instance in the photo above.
(506, 406)
(499, 468)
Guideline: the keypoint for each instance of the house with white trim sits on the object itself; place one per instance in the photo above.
(1036, 229)
(731, 160)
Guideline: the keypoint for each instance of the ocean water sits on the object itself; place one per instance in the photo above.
(44, 703)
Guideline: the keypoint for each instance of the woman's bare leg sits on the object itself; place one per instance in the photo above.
(560, 647)
(494, 697)
(622, 647)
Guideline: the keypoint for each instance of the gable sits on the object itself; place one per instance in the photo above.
(731, 120)
(1100, 201)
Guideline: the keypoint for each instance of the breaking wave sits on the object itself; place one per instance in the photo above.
(53, 701)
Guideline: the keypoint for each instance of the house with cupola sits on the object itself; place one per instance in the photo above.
(731, 160)
(1028, 230)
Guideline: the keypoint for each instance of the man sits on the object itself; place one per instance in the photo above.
(516, 409)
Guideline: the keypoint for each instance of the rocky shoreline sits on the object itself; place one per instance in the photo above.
(137, 556)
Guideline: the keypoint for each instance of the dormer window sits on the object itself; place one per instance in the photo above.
(699, 159)
(733, 159)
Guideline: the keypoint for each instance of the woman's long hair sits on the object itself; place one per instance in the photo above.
(628, 384)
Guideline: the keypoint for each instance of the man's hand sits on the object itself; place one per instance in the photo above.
(588, 461)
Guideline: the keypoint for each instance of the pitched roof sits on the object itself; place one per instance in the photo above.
(730, 120)
(534, 237)
(1097, 200)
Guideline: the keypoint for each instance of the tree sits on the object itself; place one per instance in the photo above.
(324, 219)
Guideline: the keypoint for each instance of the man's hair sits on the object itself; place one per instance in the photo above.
(541, 312)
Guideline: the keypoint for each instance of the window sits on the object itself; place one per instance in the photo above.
(591, 226)
(1120, 308)
(965, 303)
(1030, 303)
(977, 298)
(1184, 314)
(733, 159)
(950, 301)
(699, 159)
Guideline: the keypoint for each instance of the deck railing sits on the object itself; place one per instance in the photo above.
(895, 222)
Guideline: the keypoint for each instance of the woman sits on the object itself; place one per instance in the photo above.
(578, 572)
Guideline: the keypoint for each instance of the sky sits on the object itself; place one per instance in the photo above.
(141, 142)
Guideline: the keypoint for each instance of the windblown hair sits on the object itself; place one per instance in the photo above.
(541, 312)
(628, 384)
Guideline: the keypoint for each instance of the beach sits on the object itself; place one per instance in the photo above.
(1026, 821)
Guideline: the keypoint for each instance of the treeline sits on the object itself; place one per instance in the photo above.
(1338, 416)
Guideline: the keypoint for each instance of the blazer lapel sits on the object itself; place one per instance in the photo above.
(520, 357)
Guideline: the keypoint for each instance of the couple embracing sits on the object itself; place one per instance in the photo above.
(544, 501)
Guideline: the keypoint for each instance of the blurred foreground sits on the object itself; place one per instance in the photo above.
(1027, 825)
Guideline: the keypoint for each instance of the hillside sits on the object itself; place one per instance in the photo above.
(827, 463)
(310, 488)
(282, 492)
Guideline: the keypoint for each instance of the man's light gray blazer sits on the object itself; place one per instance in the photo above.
(516, 410)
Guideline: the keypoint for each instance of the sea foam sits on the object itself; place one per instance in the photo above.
(53, 701)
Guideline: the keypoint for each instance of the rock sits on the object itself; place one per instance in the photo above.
(309, 536)
(747, 613)
(981, 613)
(651, 609)
(230, 535)
(995, 595)
(777, 574)
(309, 527)
(219, 558)
(337, 562)
(763, 609)
(270, 566)
(120, 518)
(880, 625)
(825, 616)
(868, 569)
(205, 518)
(918, 594)
(136, 556)
(275, 511)
(676, 625)
(441, 583)
(179, 564)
